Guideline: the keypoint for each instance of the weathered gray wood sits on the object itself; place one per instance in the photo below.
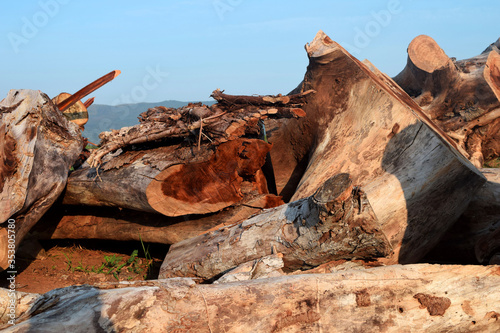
(336, 222)
(411, 298)
(38, 146)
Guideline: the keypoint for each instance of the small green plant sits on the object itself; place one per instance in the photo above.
(112, 265)
(69, 263)
(495, 163)
(148, 257)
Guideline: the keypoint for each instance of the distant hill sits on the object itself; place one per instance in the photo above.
(106, 117)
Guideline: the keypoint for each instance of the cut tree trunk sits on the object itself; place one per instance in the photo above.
(207, 187)
(336, 222)
(38, 147)
(423, 298)
(475, 238)
(76, 113)
(170, 179)
(200, 148)
(360, 122)
(462, 97)
(84, 222)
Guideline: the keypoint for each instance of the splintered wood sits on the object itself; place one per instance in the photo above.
(38, 145)
(216, 123)
(336, 222)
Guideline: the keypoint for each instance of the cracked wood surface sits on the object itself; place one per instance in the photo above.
(38, 145)
(362, 123)
(218, 123)
(336, 222)
(409, 298)
(462, 97)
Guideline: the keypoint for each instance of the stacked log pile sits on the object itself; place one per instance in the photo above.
(319, 196)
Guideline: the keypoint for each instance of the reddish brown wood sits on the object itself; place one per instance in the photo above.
(108, 223)
(207, 187)
(88, 89)
(89, 102)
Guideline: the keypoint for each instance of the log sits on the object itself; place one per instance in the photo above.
(296, 100)
(122, 178)
(475, 238)
(336, 222)
(218, 123)
(89, 102)
(423, 298)
(360, 122)
(164, 141)
(207, 187)
(76, 113)
(38, 147)
(462, 97)
(169, 179)
(108, 223)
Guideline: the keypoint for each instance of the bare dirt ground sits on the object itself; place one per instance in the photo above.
(65, 263)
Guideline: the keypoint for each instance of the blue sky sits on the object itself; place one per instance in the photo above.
(185, 49)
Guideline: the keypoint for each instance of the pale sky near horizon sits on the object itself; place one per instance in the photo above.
(185, 49)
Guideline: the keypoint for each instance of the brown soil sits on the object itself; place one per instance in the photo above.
(64, 263)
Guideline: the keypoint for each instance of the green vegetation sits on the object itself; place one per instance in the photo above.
(114, 265)
(495, 163)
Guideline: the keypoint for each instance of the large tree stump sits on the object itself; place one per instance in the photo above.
(360, 122)
(38, 147)
(423, 298)
(462, 97)
(334, 223)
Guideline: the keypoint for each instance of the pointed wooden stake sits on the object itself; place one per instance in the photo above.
(87, 90)
(89, 102)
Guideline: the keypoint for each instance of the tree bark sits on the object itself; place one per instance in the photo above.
(334, 223)
(462, 97)
(360, 122)
(38, 147)
(475, 238)
(409, 298)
